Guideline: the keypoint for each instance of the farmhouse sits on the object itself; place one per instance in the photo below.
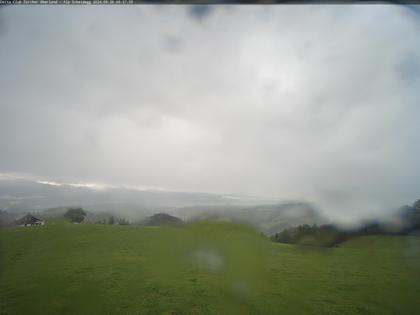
(29, 220)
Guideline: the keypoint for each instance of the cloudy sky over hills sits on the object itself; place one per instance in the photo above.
(316, 103)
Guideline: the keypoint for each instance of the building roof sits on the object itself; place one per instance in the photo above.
(27, 219)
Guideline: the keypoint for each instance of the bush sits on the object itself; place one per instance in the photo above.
(76, 215)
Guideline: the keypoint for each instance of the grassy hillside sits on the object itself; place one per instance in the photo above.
(204, 268)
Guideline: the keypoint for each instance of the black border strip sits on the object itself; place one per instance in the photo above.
(205, 2)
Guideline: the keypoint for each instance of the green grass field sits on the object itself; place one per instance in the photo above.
(204, 268)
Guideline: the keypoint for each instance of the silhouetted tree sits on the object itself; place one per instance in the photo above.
(122, 221)
(324, 235)
(75, 215)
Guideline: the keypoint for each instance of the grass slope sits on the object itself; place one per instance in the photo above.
(204, 268)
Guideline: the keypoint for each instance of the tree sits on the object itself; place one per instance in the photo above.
(111, 220)
(285, 236)
(416, 205)
(324, 235)
(76, 215)
(415, 215)
(411, 217)
(122, 221)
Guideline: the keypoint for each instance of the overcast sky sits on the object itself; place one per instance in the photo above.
(316, 103)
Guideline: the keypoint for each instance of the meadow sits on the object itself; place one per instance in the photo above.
(201, 268)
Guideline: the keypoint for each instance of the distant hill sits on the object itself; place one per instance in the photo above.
(162, 219)
(21, 196)
(52, 200)
(57, 212)
(269, 218)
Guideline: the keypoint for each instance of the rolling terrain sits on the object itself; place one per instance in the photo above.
(201, 268)
(52, 200)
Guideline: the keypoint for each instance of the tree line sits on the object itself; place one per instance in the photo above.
(77, 215)
(330, 235)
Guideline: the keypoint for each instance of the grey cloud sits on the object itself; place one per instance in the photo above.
(200, 12)
(172, 43)
(409, 69)
(287, 102)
